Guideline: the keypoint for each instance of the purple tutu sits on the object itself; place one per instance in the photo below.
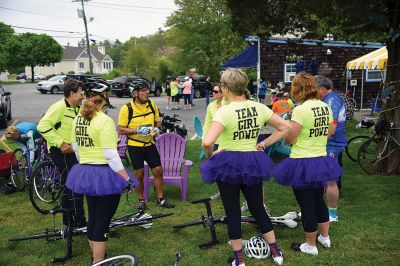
(236, 167)
(307, 172)
(97, 180)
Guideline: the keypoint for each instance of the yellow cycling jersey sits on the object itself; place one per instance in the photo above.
(55, 125)
(142, 115)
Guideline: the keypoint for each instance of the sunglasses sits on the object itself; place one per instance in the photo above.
(215, 91)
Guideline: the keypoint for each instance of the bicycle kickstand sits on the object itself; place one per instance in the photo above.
(209, 221)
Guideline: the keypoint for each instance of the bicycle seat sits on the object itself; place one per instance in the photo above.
(366, 123)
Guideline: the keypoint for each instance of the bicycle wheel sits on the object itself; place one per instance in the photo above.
(45, 188)
(353, 145)
(367, 155)
(179, 226)
(120, 260)
(143, 219)
(37, 236)
(19, 169)
(353, 104)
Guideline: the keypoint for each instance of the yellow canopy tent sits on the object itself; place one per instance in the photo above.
(374, 60)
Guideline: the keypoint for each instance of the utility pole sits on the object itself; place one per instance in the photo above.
(86, 30)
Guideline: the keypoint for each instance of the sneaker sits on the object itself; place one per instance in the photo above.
(278, 260)
(141, 206)
(324, 241)
(244, 207)
(164, 203)
(331, 219)
(232, 262)
(305, 248)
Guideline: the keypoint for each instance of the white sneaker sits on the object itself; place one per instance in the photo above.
(324, 241)
(244, 207)
(305, 248)
(278, 260)
(331, 219)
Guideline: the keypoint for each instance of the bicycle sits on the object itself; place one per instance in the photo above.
(171, 124)
(21, 167)
(210, 221)
(376, 148)
(45, 188)
(354, 143)
(120, 260)
(139, 218)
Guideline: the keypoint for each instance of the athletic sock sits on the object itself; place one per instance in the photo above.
(324, 237)
(159, 200)
(275, 249)
(332, 212)
(238, 257)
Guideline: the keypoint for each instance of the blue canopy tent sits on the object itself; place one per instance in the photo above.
(247, 58)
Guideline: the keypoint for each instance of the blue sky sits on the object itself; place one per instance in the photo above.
(117, 19)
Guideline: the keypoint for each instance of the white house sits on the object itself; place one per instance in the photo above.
(76, 59)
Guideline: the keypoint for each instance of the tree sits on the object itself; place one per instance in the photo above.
(376, 20)
(29, 49)
(6, 32)
(201, 32)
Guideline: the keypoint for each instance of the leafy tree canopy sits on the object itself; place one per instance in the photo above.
(5, 33)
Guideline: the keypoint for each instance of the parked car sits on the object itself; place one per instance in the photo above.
(36, 77)
(120, 86)
(5, 107)
(80, 77)
(199, 84)
(21, 76)
(53, 85)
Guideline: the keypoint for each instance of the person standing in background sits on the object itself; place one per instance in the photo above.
(207, 88)
(262, 90)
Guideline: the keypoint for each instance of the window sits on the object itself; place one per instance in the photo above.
(289, 72)
(374, 75)
(81, 65)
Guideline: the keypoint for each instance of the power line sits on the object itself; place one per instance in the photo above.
(45, 29)
(146, 7)
(33, 13)
(124, 9)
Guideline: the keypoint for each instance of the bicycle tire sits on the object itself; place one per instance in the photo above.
(180, 226)
(45, 188)
(367, 155)
(353, 145)
(120, 260)
(36, 236)
(18, 169)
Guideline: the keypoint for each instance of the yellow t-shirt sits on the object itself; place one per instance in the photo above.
(92, 136)
(174, 88)
(242, 123)
(142, 115)
(315, 117)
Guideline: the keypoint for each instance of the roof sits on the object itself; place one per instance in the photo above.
(72, 53)
(323, 42)
(374, 60)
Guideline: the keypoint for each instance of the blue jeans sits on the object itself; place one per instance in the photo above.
(191, 95)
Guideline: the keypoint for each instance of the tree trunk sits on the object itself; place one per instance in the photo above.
(391, 109)
(33, 74)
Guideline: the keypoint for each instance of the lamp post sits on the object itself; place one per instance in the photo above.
(252, 40)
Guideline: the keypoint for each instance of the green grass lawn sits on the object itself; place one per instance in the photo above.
(368, 232)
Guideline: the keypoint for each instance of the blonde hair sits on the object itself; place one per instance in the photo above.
(12, 133)
(236, 80)
(304, 87)
(92, 105)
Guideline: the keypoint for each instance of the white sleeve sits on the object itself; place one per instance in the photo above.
(113, 159)
(75, 148)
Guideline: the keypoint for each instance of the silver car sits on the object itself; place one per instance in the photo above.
(53, 85)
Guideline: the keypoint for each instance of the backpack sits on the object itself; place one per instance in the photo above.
(130, 111)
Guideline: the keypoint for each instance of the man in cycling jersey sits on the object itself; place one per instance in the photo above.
(56, 127)
(337, 142)
(140, 121)
(24, 129)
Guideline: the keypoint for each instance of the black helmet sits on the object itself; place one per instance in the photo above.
(138, 84)
(96, 87)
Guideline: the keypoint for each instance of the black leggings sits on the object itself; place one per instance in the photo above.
(312, 206)
(69, 200)
(187, 99)
(101, 209)
(230, 195)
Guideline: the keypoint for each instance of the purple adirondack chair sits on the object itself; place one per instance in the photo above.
(122, 146)
(172, 148)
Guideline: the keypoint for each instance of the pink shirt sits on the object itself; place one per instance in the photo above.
(187, 87)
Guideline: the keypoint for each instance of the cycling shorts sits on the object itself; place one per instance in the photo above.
(140, 154)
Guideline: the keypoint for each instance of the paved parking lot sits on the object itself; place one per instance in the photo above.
(28, 104)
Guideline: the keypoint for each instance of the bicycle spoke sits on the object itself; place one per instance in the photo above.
(19, 169)
(367, 156)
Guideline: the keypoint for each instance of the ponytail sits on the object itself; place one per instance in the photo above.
(246, 94)
(90, 108)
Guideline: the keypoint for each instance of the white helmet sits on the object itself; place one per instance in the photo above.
(256, 247)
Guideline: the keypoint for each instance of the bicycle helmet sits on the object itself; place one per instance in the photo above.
(138, 84)
(256, 247)
(97, 87)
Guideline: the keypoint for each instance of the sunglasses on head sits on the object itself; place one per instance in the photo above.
(215, 91)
